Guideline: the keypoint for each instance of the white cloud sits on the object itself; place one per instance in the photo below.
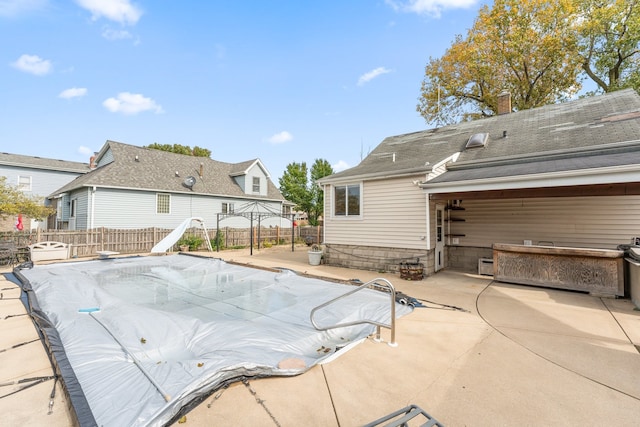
(432, 8)
(340, 166)
(11, 8)
(111, 34)
(74, 92)
(122, 11)
(367, 77)
(281, 138)
(85, 151)
(32, 64)
(131, 103)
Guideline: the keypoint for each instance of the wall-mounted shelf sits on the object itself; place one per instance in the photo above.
(455, 220)
(455, 235)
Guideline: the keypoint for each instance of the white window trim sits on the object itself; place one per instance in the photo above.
(73, 208)
(23, 187)
(230, 208)
(253, 185)
(157, 197)
(333, 203)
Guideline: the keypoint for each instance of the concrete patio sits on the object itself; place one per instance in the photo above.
(510, 355)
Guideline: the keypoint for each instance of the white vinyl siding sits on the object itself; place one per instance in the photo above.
(255, 181)
(586, 222)
(82, 212)
(114, 209)
(393, 214)
(42, 182)
(106, 158)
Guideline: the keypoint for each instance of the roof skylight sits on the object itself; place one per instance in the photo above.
(477, 140)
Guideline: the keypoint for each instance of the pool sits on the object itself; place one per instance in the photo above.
(138, 341)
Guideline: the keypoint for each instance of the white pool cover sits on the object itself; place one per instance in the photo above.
(138, 341)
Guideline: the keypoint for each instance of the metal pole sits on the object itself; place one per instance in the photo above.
(259, 227)
(251, 231)
(292, 232)
(217, 231)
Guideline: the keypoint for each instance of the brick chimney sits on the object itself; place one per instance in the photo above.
(504, 103)
(92, 161)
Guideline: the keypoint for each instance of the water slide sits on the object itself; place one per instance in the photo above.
(173, 237)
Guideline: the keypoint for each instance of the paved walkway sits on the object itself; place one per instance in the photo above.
(513, 355)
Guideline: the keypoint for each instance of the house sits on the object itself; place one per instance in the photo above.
(37, 176)
(560, 175)
(134, 187)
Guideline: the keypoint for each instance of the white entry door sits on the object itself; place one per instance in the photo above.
(439, 254)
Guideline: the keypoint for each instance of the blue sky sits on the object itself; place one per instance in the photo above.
(284, 81)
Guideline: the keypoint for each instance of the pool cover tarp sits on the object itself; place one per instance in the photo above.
(140, 340)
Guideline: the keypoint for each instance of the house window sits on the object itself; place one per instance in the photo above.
(256, 184)
(227, 208)
(163, 203)
(286, 210)
(24, 183)
(72, 208)
(347, 200)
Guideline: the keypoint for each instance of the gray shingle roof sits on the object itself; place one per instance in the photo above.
(19, 160)
(154, 170)
(534, 140)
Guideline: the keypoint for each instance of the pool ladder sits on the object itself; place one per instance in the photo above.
(379, 283)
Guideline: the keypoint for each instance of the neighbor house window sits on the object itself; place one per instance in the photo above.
(227, 208)
(24, 183)
(256, 184)
(72, 208)
(347, 200)
(163, 203)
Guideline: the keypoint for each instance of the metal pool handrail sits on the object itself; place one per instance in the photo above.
(392, 294)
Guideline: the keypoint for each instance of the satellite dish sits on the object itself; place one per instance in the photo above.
(189, 182)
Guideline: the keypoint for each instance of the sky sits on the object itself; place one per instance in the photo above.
(283, 81)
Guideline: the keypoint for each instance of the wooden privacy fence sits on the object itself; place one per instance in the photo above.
(128, 241)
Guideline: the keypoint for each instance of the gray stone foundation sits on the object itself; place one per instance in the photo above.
(376, 258)
(465, 258)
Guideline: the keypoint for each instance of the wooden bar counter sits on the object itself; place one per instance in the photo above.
(597, 271)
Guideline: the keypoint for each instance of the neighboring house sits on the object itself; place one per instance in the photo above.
(37, 176)
(135, 187)
(560, 175)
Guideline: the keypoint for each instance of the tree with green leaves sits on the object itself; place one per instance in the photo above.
(307, 195)
(319, 169)
(609, 42)
(521, 46)
(181, 149)
(14, 202)
(538, 50)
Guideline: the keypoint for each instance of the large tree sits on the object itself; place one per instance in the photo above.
(538, 50)
(609, 40)
(14, 202)
(521, 46)
(297, 187)
(319, 169)
(181, 149)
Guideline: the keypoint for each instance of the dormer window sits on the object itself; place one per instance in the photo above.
(477, 140)
(256, 184)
